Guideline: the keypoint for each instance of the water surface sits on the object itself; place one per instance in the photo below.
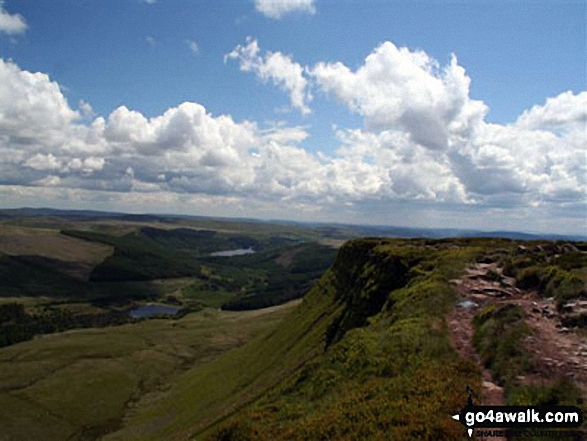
(145, 311)
(230, 253)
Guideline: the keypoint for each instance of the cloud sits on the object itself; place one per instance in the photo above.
(30, 103)
(11, 24)
(43, 162)
(285, 135)
(276, 9)
(405, 90)
(193, 47)
(538, 160)
(564, 112)
(536, 164)
(86, 110)
(151, 41)
(279, 68)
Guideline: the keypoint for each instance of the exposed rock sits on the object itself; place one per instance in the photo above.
(492, 292)
(508, 281)
(468, 304)
(545, 248)
(569, 248)
(492, 387)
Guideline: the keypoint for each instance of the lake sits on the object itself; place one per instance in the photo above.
(145, 311)
(239, 252)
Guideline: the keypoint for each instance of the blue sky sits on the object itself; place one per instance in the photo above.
(364, 143)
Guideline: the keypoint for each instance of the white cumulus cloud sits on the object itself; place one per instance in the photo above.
(399, 89)
(564, 112)
(425, 141)
(539, 159)
(11, 24)
(278, 68)
(276, 9)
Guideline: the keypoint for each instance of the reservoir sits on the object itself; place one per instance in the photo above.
(145, 311)
(239, 252)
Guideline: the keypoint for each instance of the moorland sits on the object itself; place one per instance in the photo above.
(294, 332)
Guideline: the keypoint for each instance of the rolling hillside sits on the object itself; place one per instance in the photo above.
(382, 345)
(368, 355)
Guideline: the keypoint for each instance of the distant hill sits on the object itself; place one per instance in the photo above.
(331, 230)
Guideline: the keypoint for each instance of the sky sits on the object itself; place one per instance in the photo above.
(422, 113)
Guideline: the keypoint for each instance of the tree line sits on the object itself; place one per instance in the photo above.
(17, 325)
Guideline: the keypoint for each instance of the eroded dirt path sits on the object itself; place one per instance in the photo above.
(556, 351)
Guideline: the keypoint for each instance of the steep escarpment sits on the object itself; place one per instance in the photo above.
(388, 370)
(366, 355)
(363, 277)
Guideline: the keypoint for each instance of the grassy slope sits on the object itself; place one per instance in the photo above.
(398, 374)
(397, 377)
(334, 368)
(205, 394)
(78, 384)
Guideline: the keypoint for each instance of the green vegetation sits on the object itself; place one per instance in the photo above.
(395, 368)
(142, 263)
(136, 257)
(280, 270)
(390, 373)
(23, 276)
(80, 384)
(561, 392)
(499, 334)
(365, 355)
(555, 270)
(16, 325)
(290, 270)
(204, 395)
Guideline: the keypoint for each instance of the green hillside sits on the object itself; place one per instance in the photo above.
(388, 371)
(368, 353)
(365, 355)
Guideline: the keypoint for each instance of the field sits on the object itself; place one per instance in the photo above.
(77, 257)
(79, 384)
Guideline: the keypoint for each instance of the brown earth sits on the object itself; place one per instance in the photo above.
(556, 351)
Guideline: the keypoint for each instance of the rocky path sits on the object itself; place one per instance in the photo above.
(557, 352)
